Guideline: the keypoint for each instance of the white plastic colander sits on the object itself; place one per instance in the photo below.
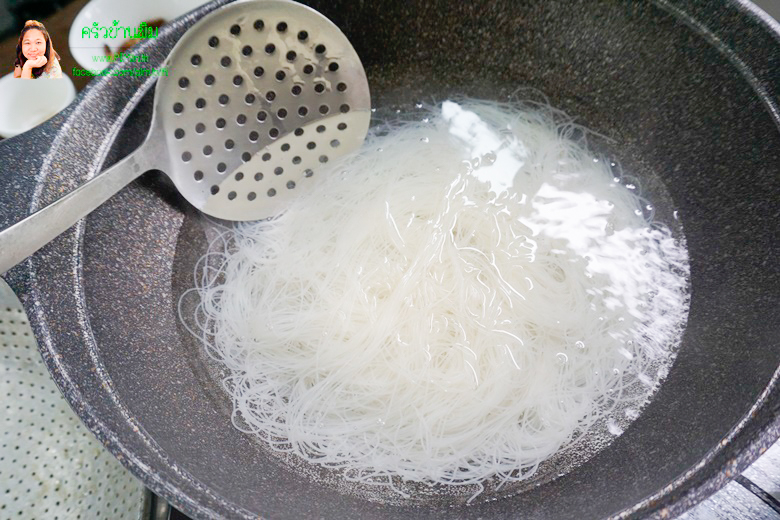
(51, 466)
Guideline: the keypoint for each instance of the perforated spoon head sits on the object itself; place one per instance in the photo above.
(260, 96)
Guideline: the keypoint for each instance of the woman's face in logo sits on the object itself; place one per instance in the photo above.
(34, 44)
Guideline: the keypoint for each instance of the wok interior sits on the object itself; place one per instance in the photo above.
(675, 109)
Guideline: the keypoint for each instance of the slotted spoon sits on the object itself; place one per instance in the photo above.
(260, 94)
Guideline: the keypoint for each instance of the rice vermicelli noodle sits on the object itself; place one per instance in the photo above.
(460, 300)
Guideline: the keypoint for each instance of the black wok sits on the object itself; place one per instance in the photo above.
(689, 93)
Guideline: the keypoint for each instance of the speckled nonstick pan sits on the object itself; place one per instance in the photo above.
(687, 90)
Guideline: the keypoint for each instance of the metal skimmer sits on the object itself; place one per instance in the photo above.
(260, 95)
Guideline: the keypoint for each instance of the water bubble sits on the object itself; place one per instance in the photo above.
(613, 427)
(489, 158)
(424, 139)
(580, 345)
(418, 105)
(561, 358)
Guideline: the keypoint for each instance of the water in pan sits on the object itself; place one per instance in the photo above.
(482, 305)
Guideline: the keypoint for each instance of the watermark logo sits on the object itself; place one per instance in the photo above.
(75, 71)
(121, 56)
(114, 30)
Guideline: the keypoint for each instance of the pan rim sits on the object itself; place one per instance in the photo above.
(743, 444)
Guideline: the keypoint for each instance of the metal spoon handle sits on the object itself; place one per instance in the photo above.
(30, 234)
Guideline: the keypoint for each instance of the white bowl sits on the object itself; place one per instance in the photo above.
(27, 103)
(128, 14)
